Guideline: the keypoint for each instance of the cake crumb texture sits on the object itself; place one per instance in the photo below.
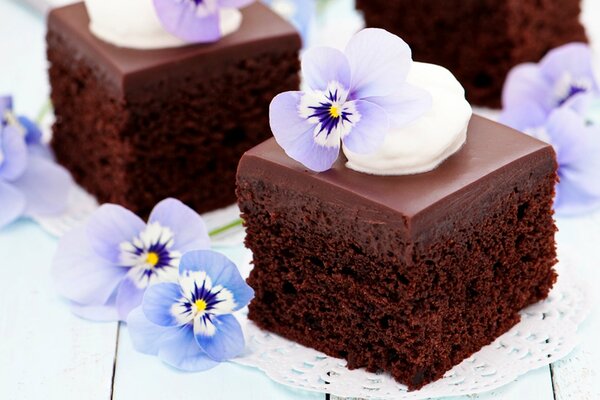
(182, 138)
(355, 288)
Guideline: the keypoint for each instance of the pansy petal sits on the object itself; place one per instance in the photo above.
(106, 312)
(188, 227)
(523, 116)
(33, 134)
(13, 153)
(525, 85)
(158, 303)
(145, 336)
(323, 65)
(181, 19)
(568, 134)
(129, 296)
(369, 133)
(13, 204)
(234, 3)
(227, 340)
(178, 348)
(79, 274)
(574, 59)
(573, 194)
(410, 103)
(6, 105)
(222, 272)
(46, 187)
(379, 63)
(109, 226)
(296, 135)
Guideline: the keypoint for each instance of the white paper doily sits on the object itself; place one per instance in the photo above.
(547, 332)
(81, 205)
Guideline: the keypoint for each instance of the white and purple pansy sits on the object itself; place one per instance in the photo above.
(189, 324)
(196, 21)
(532, 91)
(31, 184)
(353, 97)
(104, 267)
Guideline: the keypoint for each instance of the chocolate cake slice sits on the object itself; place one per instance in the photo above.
(478, 40)
(405, 274)
(137, 126)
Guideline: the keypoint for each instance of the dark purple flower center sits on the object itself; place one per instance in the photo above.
(574, 89)
(157, 255)
(330, 113)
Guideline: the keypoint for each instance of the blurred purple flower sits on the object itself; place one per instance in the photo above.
(532, 91)
(30, 183)
(194, 21)
(105, 266)
(576, 139)
(353, 97)
(554, 101)
(189, 324)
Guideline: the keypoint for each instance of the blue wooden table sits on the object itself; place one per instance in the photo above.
(47, 353)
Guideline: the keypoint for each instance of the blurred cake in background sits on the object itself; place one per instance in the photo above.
(148, 108)
(478, 40)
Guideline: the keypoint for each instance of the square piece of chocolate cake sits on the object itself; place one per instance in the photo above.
(137, 126)
(404, 274)
(479, 40)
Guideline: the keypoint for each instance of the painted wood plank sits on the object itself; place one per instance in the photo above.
(576, 377)
(45, 351)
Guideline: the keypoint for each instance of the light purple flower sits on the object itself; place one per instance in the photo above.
(353, 98)
(105, 266)
(532, 91)
(194, 21)
(30, 183)
(189, 324)
(576, 140)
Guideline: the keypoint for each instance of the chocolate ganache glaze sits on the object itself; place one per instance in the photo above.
(427, 202)
(129, 70)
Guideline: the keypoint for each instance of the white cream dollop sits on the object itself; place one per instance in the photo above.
(426, 142)
(134, 24)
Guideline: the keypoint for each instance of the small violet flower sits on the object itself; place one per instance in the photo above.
(105, 266)
(555, 101)
(30, 182)
(532, 91)
(353, 98)
(195, 21)
(189, 324)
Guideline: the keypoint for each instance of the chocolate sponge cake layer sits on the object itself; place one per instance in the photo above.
(135, 127)
(411, 283)
(479, 40)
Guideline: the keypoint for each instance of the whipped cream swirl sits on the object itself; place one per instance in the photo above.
(425, 143)
(134, 24)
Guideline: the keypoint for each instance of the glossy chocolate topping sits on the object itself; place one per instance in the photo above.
(130, 69)
(493, 157)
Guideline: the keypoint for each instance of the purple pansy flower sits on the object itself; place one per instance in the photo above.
(353, 98)
(576, 139)
(555, 101)
(105, 266)
(30, 183)
(189, 324)
(195, 21)
(532, 91)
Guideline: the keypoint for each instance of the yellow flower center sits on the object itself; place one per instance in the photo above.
(152, 258)
(200, 305)
(335, 111)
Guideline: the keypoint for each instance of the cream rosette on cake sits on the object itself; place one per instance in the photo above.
(425, 143)
(154, 24)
